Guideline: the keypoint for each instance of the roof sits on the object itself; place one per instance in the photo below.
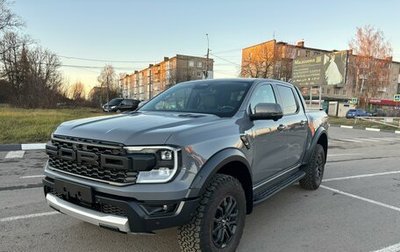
(239, 80)
(287, 44)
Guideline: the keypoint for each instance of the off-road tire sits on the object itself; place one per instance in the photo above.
(197, 235)
(314, 169)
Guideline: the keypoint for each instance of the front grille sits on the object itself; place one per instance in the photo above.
(90, 164)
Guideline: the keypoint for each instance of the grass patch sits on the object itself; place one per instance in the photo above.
(359, 123)
(36, 125)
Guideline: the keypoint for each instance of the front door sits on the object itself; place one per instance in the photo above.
(265, 139)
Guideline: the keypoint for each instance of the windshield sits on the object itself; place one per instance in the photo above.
(115, 101)
(219, 98)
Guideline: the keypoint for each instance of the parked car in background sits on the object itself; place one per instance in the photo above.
(357, 112)
(378, 113)
(120, 104)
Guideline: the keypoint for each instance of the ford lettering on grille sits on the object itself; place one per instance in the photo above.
(99, 163)
(103, 160)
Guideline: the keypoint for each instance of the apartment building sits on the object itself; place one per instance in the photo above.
(272, 59)
(146, 83)
(329, 74)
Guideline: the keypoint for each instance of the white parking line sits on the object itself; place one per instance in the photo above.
(351, 140)
(361, 198)
(362, 176)
(15, 154)
(343, 154)
(28, 216)
(393, 248)
(372, 129)
(371, 140)
(38, 146)
(346, 127)
(385, 139)
(32, 176)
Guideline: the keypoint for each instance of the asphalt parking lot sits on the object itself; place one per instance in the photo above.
(356, 209)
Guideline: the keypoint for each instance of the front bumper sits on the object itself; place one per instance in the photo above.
(100, 219)
(122, 214)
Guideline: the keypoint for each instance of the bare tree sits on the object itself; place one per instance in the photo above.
(13, 57)
(108, 80)
(258, 62)
(8, 20)
(268, 60)
(77, 91)
(370, 64)
(31, 71)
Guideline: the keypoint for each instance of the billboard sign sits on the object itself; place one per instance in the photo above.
(324, 69)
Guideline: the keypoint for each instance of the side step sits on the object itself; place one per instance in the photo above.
(263, 195)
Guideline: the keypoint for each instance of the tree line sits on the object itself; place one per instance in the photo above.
(30, 75)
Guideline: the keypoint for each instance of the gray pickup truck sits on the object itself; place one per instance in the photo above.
(199, 156)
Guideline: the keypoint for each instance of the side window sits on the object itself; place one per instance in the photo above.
(288, 104)
(263, 94)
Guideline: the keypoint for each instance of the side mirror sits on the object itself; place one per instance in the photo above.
(265, 111)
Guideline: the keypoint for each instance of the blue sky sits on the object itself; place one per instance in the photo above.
(123, 30)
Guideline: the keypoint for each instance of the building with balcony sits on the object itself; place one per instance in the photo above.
(146, 83)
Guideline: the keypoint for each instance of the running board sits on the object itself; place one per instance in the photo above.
(263, 195)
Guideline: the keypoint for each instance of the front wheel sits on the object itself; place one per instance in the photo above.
(314, 169)
(219, 220)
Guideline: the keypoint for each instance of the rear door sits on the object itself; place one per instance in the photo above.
(293, 126)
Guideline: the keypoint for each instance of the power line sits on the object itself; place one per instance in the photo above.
(229, 50)
(94, 67)
(104, 60)
(231, 62)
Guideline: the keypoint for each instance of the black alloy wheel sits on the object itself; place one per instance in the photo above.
(225, 222)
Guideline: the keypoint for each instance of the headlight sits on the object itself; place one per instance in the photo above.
(113, 107)
(165, 167)
(166, 154)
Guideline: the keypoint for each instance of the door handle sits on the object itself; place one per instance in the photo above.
(281, 127)
(303, 122)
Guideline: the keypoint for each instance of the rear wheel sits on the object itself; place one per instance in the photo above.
(219, 220)
(314, 169)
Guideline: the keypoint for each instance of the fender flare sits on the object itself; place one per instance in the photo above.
(213, 165)
(318, 134)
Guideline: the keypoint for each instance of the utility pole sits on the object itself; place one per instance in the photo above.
(108, 88)
(208, 55)
(150, 84)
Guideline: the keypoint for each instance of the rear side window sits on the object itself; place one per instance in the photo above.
(288, 101)
(128, 102)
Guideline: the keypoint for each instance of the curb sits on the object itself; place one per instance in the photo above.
(24, 147)
(365, 128)
(42, 146)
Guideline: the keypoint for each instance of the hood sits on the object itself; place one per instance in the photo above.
(146, 128)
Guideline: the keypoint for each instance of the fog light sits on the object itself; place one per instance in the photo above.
(166, 155)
